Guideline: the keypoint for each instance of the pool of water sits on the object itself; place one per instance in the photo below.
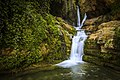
(84, 71)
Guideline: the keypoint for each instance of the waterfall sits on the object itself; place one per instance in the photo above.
(77, 45)
(78, 16)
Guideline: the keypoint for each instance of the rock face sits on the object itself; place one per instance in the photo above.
(103, 28)
(91, 7)
(95, 8)
(64, 8)
(103, 45)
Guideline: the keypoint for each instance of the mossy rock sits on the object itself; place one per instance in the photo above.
(117, 38)
(30, 35)
(101, 62)
(102, 46)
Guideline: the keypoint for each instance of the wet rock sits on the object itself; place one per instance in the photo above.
(103, 44)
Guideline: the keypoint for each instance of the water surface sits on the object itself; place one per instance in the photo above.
(84, 71)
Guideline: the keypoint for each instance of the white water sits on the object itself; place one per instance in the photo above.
(77, 49)
(78, 46)
(78, 17)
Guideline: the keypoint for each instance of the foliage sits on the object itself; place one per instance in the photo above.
(22, 30)
(27, 31)
(25, 27)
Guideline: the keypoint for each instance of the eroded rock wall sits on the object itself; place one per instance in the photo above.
(103, 29)
(102, 46)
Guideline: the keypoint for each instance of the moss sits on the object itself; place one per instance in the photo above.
(29, 35)
(117, 38)
(114, 64)
(93, 59)
(91, 44)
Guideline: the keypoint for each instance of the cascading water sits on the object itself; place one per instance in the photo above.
(78, 17)
(77, 45)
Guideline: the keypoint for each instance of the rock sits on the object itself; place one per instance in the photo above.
(64, 8)
(103, 45)
(105, 34)
(95, 8)
(65, 25)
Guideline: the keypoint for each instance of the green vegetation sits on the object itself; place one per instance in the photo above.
(117, 38)
(29, 34)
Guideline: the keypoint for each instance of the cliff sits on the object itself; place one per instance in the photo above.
(103, 27)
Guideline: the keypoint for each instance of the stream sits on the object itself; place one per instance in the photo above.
(74, 68)
(83, 71)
